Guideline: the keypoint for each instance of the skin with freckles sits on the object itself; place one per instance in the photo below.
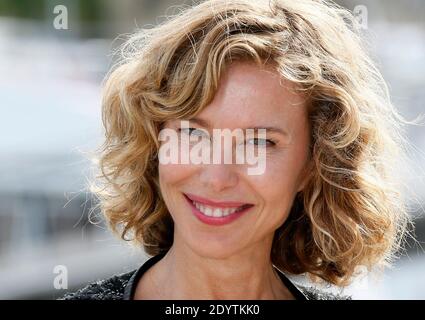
(232, 261)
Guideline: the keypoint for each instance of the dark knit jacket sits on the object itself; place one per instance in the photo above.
(123, 287)
(113, 289)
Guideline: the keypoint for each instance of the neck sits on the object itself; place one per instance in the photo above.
(184, 274)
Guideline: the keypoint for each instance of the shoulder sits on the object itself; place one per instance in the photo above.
(313, 293)
(107, 289)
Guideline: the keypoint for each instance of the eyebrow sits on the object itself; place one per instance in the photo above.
(206, 124)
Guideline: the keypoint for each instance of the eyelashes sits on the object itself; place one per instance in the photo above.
(259, 142)
(190, 133)
(270, 141)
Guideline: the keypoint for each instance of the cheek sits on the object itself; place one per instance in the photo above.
(173, 174)
(172, 178)
(278, 184)
(280, 175)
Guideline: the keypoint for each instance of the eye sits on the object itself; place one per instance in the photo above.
(262, 142)
(193, 131)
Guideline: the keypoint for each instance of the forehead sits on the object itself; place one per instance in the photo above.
(248, 93)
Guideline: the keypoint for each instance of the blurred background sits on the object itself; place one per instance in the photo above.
(51, 70)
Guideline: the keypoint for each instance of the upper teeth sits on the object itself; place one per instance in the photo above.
(214, 211)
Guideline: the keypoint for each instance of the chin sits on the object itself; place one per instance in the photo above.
(210, 246)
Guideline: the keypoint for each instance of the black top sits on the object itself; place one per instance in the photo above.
(123, 286)
(130, 288)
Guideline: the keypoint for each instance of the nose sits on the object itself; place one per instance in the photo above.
(218, 177)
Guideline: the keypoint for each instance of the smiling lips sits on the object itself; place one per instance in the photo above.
(216, 213)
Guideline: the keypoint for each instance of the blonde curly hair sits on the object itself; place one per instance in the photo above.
(351, 213)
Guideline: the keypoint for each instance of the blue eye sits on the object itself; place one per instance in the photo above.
(262, 142)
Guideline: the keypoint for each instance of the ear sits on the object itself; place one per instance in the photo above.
(305, 175)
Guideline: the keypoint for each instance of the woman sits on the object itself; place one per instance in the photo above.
(325, 203)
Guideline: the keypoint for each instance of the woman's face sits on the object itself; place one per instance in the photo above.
(248, 97)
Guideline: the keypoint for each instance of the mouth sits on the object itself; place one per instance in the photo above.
(216, 213)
